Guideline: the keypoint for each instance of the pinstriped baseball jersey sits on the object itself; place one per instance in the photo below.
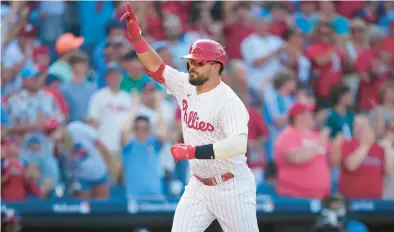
(207, 118)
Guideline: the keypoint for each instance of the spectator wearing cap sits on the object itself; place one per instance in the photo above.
(81, 153)
(29, 108)
(154, 106)
(363, 158)
(238, 26)
(114, 31)
(134, 79)
(15, 56)
(326, 63)
(108, 109)
(341, 117)
(78, 90)
(41, 56)
(36, 150)
(383, 113)
(263, 63)
(141, 146)
(65, 45)
(53, 85)
(277, 97)
(18, 178)
(299, 152)
(116, 48)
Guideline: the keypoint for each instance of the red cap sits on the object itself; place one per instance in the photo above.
(40, 50)
(28, 30)
(51, 124)
(299, 108)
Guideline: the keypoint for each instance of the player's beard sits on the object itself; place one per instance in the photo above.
(197, 79)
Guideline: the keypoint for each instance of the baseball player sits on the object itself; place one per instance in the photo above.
(215, 132)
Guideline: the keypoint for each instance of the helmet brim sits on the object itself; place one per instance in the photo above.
(194, 57)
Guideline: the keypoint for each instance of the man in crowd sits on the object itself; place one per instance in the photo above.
(31, 107)
(78, 90)
(363, 158)
(108, 109)
(142, 171)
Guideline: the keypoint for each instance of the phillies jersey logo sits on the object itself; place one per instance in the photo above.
(192, 121)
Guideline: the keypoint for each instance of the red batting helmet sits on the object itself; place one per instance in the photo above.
(207, 50)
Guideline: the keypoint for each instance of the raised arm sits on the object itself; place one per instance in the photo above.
(151, 61)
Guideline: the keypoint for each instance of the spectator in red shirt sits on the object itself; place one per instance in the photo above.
(363, 164)
(238, 27)
(326, 62)
(280, 18)
(373, 73)
(299, 152)
(18, 179)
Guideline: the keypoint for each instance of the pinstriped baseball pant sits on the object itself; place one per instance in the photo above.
(232, 203)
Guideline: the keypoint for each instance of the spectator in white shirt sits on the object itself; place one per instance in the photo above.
(108, 109)
(17, 55)
(261, 52)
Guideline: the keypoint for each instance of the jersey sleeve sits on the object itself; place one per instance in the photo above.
(234, 118)
(175, 81)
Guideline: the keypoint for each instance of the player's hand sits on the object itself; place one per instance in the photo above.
(133, 29)
(182, 151)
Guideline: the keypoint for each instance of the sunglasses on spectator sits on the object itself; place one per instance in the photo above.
(198, 64)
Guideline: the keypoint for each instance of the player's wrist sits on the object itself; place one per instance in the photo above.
(140, 45)
(204, 152)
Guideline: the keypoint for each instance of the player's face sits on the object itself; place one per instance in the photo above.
(200, 71)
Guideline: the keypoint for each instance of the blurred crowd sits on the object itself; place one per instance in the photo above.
(79, 117)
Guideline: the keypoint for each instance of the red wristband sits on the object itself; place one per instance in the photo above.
(140, 45)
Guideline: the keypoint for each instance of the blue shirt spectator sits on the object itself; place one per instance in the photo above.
(37, 149)
(277, 102)
(77, 96)
(142, 171)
